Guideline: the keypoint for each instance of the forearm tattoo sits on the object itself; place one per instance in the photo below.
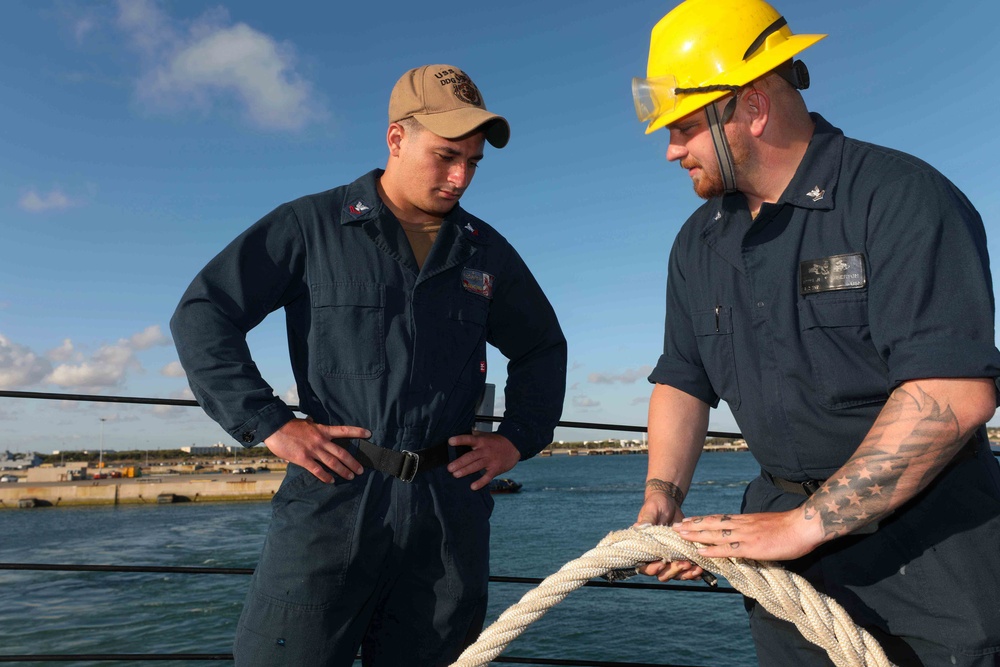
(887, 466)
(668, 488)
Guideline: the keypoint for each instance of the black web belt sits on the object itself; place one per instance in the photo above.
(806, 488)
(811, 486)
(403, 465)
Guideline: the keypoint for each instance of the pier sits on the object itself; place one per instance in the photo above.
(149, 490)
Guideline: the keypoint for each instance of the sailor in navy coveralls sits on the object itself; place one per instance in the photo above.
(391, 292)
(837, 295)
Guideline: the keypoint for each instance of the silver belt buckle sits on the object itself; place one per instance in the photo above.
(411, 463)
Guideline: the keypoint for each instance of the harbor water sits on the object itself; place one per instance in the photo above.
(566, 506)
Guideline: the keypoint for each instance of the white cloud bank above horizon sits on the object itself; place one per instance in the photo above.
(68, 368)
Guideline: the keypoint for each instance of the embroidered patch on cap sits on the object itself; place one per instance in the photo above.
(832, 273)
(478, 282)
(357, 208)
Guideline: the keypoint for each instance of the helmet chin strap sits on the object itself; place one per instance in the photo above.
(716, 125)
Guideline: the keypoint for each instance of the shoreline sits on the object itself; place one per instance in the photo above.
(157, 489)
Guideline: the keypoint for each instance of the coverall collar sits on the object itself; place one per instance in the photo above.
(813, 186)
(458, 237)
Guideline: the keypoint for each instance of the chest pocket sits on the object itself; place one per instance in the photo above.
(846, 366)
(465, 326)
(348, 329)
(451, 337)
(713, 330)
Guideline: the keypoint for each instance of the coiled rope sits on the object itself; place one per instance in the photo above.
(785, 594)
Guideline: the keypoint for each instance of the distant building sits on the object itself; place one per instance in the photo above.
(51, 473)
(10, 461)
(218, 449)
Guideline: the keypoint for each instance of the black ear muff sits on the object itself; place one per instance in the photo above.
(799, 75)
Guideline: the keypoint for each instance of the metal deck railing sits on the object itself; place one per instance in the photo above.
(208, 657)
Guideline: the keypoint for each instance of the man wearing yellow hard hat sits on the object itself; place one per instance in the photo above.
(837, 296)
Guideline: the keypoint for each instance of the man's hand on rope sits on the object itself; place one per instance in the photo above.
(491, 454)
(660, 509)
(766, 536)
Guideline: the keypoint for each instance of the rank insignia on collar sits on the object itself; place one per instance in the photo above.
(472, 230)
(816, 194)
(478, 282)
(357, 208)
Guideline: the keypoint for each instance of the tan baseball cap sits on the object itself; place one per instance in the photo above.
(443, 99)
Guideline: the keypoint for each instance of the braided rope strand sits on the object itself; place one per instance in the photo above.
(819, 618)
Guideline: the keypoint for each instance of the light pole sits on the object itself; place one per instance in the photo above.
(100, 460)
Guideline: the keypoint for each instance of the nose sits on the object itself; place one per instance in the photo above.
(677, 148)
(459, 174)
(675, 151)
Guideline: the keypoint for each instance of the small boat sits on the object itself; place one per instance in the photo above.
(504, 485)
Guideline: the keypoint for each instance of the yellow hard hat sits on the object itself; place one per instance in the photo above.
(704, 49)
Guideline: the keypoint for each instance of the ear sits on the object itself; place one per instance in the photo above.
(394, 137)
(758, 106)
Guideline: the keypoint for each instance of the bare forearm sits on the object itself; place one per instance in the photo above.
(678, 423)
(920, 429)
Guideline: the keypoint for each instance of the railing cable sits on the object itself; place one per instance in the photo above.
(140, 400)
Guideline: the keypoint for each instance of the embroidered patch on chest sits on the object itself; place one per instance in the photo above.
(832, 273)
(478, 282)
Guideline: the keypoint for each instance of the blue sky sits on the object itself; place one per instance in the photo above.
(139, 138)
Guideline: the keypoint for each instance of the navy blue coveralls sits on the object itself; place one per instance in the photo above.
(871, 270)
(401, 568)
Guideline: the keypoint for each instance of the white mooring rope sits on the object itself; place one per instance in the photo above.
(788, 596)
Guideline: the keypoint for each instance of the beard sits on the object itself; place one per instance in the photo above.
(708, 183)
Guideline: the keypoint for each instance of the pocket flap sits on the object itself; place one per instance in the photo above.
(833, 313)
(713, 322)
(371, 295)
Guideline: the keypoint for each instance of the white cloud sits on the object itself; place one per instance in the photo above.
(629, 376)
(69, 368)
(149, 337)
(173, 370)
(171, 411)
(639, 400)
(65, 352)
(291, 396)
(19, 366)
(217, 63)
(55, 200)
(585, 402)
(107, 367)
